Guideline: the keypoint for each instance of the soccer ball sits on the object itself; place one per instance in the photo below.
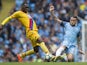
(48, 57)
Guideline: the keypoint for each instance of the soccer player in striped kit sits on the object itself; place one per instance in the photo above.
(31, 31)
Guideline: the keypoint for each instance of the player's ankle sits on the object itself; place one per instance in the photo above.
(22, 55)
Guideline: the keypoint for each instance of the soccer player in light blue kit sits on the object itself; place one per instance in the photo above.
(72, 30)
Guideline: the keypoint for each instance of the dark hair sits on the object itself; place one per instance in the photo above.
(76, 17)
(78, 20)
(23, 5)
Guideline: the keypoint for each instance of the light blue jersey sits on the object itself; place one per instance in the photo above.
(70, 38)
(71, 33)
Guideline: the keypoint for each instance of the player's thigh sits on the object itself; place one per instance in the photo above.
(33, 36)
(65, 43)
(71, 52)
(72, 49)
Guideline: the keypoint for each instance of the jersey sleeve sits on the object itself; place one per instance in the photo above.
(80, 24)
(80, 27)
(63, 23)
(14, 15)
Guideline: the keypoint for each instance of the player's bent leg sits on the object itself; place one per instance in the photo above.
(58, 54)
(71, 53)
(43, 46)
(37, 41)
(60, 50)
(70, 57)
(22, 55)
(61, 58)
(45, 49)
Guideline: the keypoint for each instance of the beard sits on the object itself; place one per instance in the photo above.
(72, 24)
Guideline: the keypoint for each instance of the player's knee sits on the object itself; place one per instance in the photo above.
(36, 49)
(59, 51)
(70, 58)
(39, 40)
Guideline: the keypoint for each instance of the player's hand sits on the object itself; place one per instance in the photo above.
(51, 8)
(1, 27)
(80, 51)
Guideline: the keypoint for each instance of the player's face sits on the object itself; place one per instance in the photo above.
(73, 21)
(25, 8)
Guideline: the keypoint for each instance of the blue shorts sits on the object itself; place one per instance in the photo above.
(71, 50)
(68, 43)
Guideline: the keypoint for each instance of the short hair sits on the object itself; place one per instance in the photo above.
(75, 17)
(78, 20)
(23, 5)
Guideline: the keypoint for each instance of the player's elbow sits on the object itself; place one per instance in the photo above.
(10, 17)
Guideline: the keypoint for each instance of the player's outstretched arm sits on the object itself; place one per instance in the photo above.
(51, 9)
(6, 20)
(14, 15)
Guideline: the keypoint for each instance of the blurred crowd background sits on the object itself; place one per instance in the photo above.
(13, 39)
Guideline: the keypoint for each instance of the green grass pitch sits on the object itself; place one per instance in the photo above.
(44, 63)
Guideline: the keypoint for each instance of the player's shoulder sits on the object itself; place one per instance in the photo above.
(66, 22)
(18, 12)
